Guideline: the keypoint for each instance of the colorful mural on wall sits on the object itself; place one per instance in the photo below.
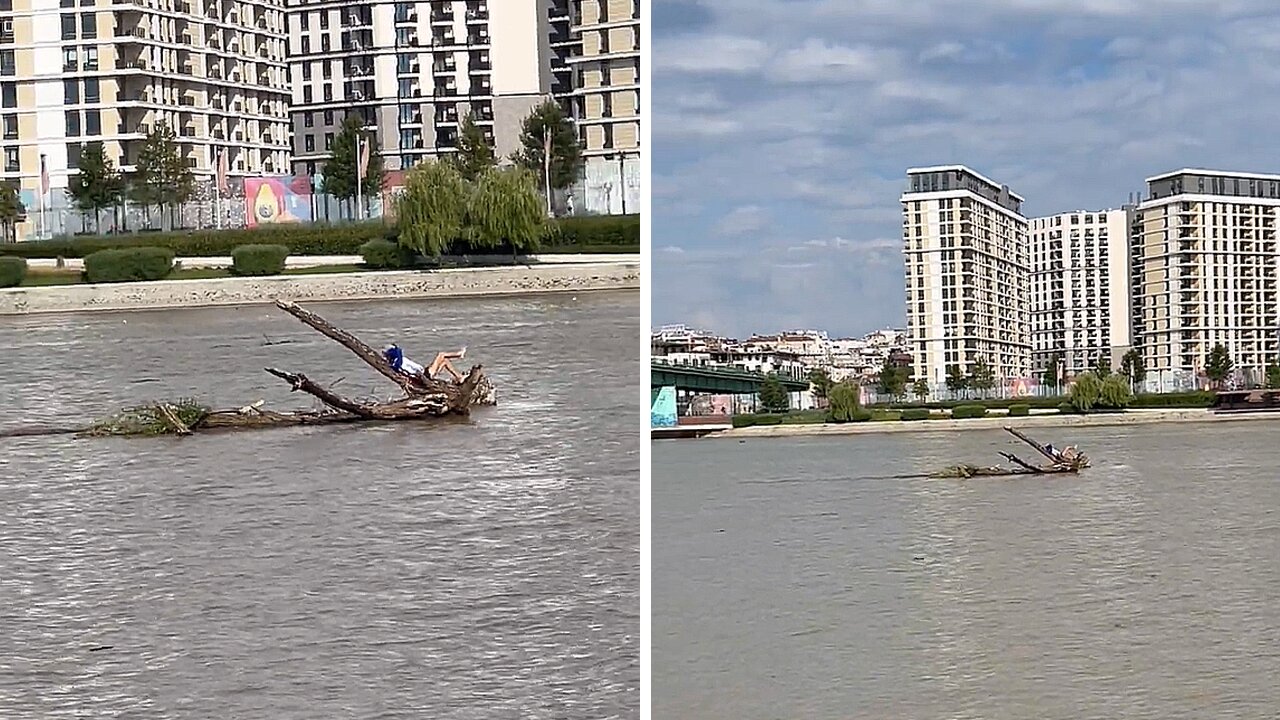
(663, 412)
(275, 200)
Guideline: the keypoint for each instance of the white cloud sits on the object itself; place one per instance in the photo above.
(742, 220)
(818, 61)
(709, 54)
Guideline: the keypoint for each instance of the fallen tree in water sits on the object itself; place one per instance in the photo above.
(423, 397)
(1068, 460)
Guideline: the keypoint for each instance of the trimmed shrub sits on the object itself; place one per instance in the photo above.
(965, 412)
(1019, 410)
(1182, 399)
(856, 414)
(12, 271)
(768, 419)
(1066, 408)
(386, 255)
(128, 265)
(592, 233)
(740, 421)
(259, 259)
(915, 414)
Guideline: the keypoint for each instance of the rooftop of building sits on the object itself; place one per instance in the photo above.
(1214, 173)
(963, 169)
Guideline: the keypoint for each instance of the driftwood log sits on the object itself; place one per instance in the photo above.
(421, 398)
(1069, 461)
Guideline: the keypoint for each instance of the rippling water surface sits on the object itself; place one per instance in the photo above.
(792, 578)
(481, 569)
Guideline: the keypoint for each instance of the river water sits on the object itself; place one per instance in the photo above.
(795, 578)
(479, 569)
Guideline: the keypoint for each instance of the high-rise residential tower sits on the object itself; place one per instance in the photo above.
(1080, 289)
(1204, 260)
(968, 272)
(413, 69)
(608, 102)
(78, 71)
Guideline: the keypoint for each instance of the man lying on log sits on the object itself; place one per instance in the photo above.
(396, 357)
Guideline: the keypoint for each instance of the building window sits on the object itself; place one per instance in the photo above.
(91, 58)
(306, 71)
(10, 127)
(328, 117)
(306, 45)
(307, 94)
(324, 43)
(68, 27)
(89, 26)
(91, 92)
(328, 142)
(8, 62)
(11, 160)
(93, 122)
(70, 92)
(8, 95)
(328, 93)
(309, 120)
(73, 123)
(309, 143)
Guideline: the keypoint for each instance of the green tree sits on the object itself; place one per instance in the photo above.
(821, 382)
(11, 210)
(1051, 371)
(1103, 367)
(892, 379)
(1115, 393)
(161, 177)
(956, 381)
(773, 396)
(432, 211)
(845, 402)
(1085, 392)
(920, 388)
(475, 154)
(981, 376)
(548, 122)
(505, 208)
(1219, 365)
(1133, 367)
(340, 169)
(1273, 376)
(98, 185)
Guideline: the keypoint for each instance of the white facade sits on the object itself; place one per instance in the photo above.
(1205, 260)
(1080, 289)
(967, 256)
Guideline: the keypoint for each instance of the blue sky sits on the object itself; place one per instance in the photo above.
(782, 131)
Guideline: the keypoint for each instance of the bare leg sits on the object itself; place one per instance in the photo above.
(442, 363)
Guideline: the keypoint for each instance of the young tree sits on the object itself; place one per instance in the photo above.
(98, 185)
(773, 396)
(892, 380)
(1132, 367)
(1051, 371)
(1103, 367)
(159, 178)
(11, 210)
(920, 388)
(846, 403)
(340, 169)
(548, 122)
(1218, 367)
(432, 210)
(956, 381)
(981, 376)
(505, 208)
(1086, 392)
(1273, 376)
(475, 154)
(821, 382)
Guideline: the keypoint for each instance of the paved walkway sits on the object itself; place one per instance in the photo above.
(310, 261)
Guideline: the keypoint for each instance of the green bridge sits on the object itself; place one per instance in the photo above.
(715, 380)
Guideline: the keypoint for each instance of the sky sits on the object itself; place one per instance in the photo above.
(783, 129)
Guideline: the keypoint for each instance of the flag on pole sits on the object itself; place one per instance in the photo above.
(364, 157)
(44, 177)
(222, 171)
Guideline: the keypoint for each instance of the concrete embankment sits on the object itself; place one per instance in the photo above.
(514, 280)
(312, 261)
(1133, 417)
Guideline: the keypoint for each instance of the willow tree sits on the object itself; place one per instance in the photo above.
(506, 209)
(432, 210)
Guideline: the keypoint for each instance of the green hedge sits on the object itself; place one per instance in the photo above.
(383, 254)
(856, 415)
(1066, 408)
(1152, 400)
(128, 265)
(915, 414)
(1182, 399)
(259, 259)
(965, 412)
(1021, 410)
(12, 271)
(621, 233)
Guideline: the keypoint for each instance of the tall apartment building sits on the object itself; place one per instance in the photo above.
(74, 72)
(413, 69)
(1080, 289)
(1204, 262)
(608, 102)
(967, 274)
